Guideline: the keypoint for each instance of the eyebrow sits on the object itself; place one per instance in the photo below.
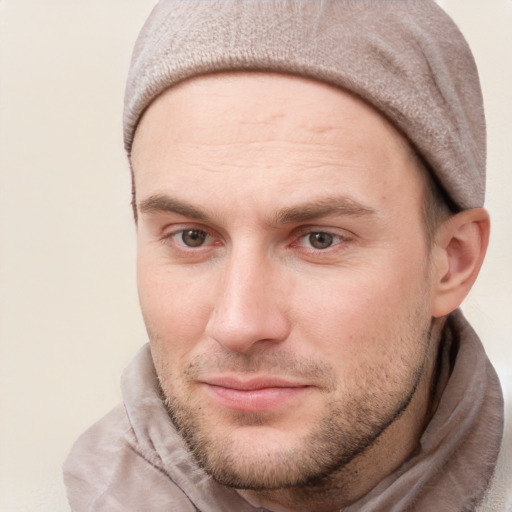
(166, 204)
(343, 206)
(337, 205)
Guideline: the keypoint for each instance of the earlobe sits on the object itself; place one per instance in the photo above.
(460, 250)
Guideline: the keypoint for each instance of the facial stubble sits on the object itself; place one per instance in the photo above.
(347, 429)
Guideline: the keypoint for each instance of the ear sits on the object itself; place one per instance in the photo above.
(460, 247)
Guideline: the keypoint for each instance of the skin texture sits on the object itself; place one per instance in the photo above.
(287, 285)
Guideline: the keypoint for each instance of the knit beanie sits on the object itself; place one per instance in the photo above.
(407, 58)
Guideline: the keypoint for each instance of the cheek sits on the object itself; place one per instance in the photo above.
(362, 316)
(175, 306)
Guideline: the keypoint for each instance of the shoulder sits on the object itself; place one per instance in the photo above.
(93, 454)
(499, 496)
(105, 471)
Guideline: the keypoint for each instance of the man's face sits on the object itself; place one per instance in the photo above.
(282, 272)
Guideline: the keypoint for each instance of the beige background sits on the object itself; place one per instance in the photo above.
(69, 319)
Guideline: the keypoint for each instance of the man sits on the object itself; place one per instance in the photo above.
(308, 183)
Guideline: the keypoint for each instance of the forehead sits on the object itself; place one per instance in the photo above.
(262, 130)
(259, 100)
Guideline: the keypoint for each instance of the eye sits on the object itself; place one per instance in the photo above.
(190, 243)
(192, 237)
(320, 240)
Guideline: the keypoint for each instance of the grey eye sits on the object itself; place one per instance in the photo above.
(193, 237)
(320, 240)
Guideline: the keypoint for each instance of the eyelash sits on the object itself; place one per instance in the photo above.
(173, 235)
(176, 237)
(336, 239)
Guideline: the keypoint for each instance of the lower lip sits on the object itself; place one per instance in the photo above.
(254, 400)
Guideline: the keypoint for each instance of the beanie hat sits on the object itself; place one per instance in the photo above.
(407, 58)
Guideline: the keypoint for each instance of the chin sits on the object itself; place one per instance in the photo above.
(247, 452)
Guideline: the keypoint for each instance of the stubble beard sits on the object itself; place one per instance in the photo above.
(349, 427)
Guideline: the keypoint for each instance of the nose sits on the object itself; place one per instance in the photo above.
(249, 310)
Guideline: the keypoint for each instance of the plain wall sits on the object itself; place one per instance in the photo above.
(69, 318)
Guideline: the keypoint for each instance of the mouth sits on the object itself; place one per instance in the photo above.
(258, 394)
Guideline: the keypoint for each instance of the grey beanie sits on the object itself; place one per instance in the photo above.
(405, 57)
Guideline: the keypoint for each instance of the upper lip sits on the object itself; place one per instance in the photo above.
(245, 384)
